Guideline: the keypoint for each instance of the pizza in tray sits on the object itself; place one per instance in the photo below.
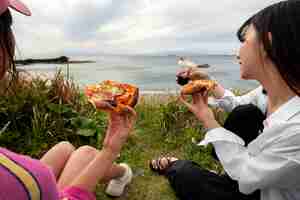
(114, 95)
(198, 86)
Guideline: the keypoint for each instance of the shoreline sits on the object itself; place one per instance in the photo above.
(57, 60)
(158, 93)
(45, 76)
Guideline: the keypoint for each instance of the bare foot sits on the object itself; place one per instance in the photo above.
(161, 164)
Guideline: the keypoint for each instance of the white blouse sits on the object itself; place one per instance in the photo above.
(271, 162)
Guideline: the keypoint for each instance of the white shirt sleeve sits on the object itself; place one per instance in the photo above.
(229, 101)
(274, 165)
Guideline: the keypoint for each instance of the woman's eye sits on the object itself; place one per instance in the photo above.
(242, 38)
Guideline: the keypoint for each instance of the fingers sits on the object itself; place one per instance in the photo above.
(189, 72)
(200, 98)
(131, 115)
(102, 105)
(205, 97)
(127, 114)
(131, 111)
(184, 101)
(196, 97)
(180, 72)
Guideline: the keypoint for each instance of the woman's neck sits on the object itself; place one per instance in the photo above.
(278, 93)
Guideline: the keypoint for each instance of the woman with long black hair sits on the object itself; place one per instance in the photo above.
(259, 145)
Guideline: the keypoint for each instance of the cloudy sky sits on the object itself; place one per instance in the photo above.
(91, 27)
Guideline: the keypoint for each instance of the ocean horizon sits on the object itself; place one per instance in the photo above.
(151, 73)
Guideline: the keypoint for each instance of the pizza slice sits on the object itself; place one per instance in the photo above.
(112, 95)
(198, 86)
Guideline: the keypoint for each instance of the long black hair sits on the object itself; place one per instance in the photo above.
(282, 20)
(7, 45)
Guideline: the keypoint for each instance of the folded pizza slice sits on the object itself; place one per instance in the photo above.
(197, 86)
(112, 95)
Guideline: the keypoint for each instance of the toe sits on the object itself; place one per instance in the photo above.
(154, 164)
(164, 162)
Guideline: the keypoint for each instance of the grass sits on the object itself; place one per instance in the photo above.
(36, 114)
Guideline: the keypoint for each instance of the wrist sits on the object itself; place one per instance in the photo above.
(205, 114)
(211, 124)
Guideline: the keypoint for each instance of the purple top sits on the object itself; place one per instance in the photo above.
(22, 177)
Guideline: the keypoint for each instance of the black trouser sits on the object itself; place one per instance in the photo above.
(191, 182)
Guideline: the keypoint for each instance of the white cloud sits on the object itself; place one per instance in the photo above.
(131, 26)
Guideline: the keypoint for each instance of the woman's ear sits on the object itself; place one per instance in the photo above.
(262, 49)
(263, 52)
(270, 37)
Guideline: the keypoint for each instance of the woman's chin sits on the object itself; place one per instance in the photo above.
(244, 77)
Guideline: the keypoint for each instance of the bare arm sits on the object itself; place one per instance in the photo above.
(116, 136)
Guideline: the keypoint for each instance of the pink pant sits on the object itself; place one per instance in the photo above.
(76, 193)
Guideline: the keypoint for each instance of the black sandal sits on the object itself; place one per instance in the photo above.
(158, 167)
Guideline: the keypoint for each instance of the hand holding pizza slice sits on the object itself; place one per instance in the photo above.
(112, 96)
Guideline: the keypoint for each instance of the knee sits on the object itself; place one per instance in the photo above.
(248, 110)
(65, 147)
(87, 150)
